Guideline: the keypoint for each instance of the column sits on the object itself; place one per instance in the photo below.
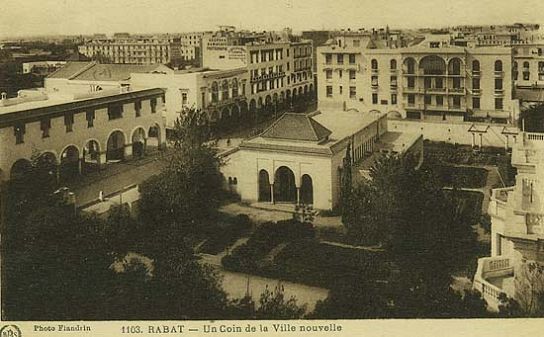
(102, 159)
(481, 140)
(473, 140)
(298, 195)
(80, 164)
(145, 147)
(272, 193)
(506, 143)
(128, 151)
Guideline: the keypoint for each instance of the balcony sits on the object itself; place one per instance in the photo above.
(393, 86)
(411, 90)
(475, 92)
(498, 73)
(474, 73)
(499, 92)
(435, 90)
(494, 276)
(374, 71)
(456, 91)
(412, 106)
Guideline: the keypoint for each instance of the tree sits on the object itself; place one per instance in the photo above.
(188, 191)
(346, 182)
(529, 284)
(274, 305)
(532, 119)
(424, 231)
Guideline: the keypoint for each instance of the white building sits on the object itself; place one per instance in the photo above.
(517, 215)
(299, 158)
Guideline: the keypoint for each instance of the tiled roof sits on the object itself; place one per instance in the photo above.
(91, 71)
(296, 127)
(69, 69)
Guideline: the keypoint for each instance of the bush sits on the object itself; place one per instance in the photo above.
(460, 176)
(485, 222)
(223, 236)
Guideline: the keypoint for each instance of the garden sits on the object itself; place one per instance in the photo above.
(289, 250)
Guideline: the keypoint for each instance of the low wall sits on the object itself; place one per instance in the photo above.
(455, 133)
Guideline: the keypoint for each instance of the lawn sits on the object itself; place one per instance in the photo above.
(439, 152)
(300, 258)
(460, 176)
(225, 231)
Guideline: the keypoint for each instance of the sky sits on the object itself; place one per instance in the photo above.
(74, 17)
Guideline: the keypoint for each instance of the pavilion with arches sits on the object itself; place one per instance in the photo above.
(299, 159)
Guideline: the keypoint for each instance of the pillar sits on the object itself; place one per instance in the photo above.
(128, 151)
(506, 143)
(102, 159)
(80, 164)
(298, 195)
(145, 147)
(473, 140)
(481, 140)
(272, 193)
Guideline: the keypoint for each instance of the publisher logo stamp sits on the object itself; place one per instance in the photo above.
(10, 331)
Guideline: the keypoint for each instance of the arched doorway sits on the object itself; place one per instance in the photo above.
(306, 190)
(115, 150)
(20, 169)
(284, 185)
(91, 156)
(154, 136)
(138, 143)
(264, 186)
(69, 163)
(46, 169)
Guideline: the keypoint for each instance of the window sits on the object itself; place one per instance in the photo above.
(339, 73)
(184, 99)
(393, 64)
(45, 126)
(352, 92)
(456, 83)
(427, 99)
(411, 82)
(340, 90)
(328, 74)
(90, 118)
(328, 58)
(475, 66)
(69, 122)
(498, 84)
(498, 104)
(498, 65)
(476, 83)
(138, 108)
(439, 100)
(374, 98)
(352, 74)
(411, 99)
(393, 80)
(439, 83)
(351, 58)
(19, 131)
(203, 97)
(153, 103)
(456, 101)
(475, 102)
(340, 58)
(115, 112)
(427, 82)
(329, 90)
(394, 99)
(374, 81)
(288, 65)
(374, 64)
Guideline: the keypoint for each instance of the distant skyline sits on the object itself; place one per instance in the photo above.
(19, 18)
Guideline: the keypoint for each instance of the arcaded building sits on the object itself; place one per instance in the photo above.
(78, 133)
(300, 158)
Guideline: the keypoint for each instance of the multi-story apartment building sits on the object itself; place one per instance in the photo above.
(78, 133)
(424, 83)
(280, 70)
(221, 94)
(142, 49)
(517, 225)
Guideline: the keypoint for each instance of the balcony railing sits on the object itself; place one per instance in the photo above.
(456, 90)
(498, 73)
(499, 92)
(498, 267)
(435, 90)
(476, 92)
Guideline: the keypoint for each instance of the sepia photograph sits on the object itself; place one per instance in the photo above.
(294, 162)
